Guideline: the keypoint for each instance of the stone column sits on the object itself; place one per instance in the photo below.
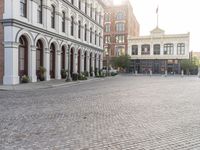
(33, 8)
(82, 61)
(88, 62)
(75, 63)
(68, 22)
(101, 61)
(47, 63)
(32, 64)
(11, 62)
(82, 33)
(66, 59)
(97, 63)
(58, 64)
(175, 49)
(75, 30)
(139, 50)
(93, 67)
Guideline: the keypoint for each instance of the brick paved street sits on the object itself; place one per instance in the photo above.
(125, 112)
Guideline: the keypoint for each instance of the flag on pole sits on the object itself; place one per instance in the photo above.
(157, 10)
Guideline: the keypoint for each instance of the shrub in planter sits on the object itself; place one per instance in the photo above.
(74, 76)
(42, 71)
(82, 77)
(63, 73)
(24, 79)
(86, 73)
(91, 72)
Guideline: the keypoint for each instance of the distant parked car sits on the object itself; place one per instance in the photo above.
(110, 70)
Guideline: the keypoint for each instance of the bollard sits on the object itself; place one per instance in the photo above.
(182, 73)
(165, 73)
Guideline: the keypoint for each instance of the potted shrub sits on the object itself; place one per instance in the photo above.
(24, 79)
(63, 73)
(75, 76)
(42, 71)
(91, 72)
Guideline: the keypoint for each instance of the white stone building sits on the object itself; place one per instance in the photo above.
(54, 34)
(158, 52)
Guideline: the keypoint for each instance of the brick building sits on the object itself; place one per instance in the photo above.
(119, 23)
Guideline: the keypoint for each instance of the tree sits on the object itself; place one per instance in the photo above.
(190, 65)
(122, 61)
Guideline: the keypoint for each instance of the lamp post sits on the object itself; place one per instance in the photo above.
(69, 55)
(107, 62)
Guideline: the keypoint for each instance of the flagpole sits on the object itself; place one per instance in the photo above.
(157, 15)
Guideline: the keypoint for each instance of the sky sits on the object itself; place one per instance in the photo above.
(175, 16)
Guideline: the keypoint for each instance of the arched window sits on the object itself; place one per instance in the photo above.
(63, 21)
(99, 39)
(91, 10)
(39, 12)
(95, 15)
(23, 8)
(168, 49)
(39, 56)
(95, 38)
(72, 26)
(86, 7)
(79, 4)
(90, 35)
(85, 32)
(23, 56)
(53, 15)
(120, 27)
(181, 48)
(79, 29)
(120, 16)
(100, 18)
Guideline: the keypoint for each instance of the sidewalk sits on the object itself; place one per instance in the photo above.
(44, 84)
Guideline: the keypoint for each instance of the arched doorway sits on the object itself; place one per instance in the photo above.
(52, 60)
(100, 62)
(63, 58)
(95, 62)
(23, 56)
(72, 61)
(85, 61)
(79, 61)
(39, 57)
(91, 69)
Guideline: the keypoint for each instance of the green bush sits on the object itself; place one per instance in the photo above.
(63, 73)
(82, 77)
(25, 79)
(42, 71)
(74, 76)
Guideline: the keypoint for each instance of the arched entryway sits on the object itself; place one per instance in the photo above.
(63, 59)
(72, 61)
(52, 60)
(91, 69)
(100, 62)
(79, 61)
(39, 57)
(23, 56)
(95, 62)
(85, 61)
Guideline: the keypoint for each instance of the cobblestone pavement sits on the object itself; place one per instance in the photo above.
(125, 112)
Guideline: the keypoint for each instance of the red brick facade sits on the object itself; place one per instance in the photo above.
(1, 41)
(131, 27)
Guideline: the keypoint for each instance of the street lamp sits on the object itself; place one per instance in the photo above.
(107, 55)
(68, 79)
